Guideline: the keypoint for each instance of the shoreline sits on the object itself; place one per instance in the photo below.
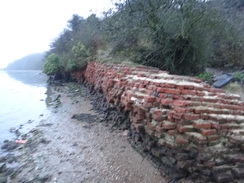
(64, 149)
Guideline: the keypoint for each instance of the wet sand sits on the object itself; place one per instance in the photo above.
(63, 149)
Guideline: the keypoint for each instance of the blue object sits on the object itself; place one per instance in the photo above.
(223, 80)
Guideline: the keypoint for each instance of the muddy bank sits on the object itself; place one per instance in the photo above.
(75, 143)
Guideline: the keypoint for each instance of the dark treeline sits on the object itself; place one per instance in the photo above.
(30, 62)
(181, 36)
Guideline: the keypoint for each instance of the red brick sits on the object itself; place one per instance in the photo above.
(161, 90)
(200, 139)
(188, 87)
(213, 137)
(172, 132)
(166, 101)
(160, 129)
(137, 85)
(207, 132)
(215, 90)
(172, 91)
(238, 108)
(142, 86)
(168, 85)
(185, 128)
(180, 87)
(152, 127)
(195, 80)
(211, 100)
(168, 125)
(138, 96)
(202, 124)
(158, 112)
(191, 116)
(149, 99)
(201, 110)
(145, 82)
(170, 119)
(151, 87)
(204, 116)
(158, 117)
(148, 104)
(182, 122)
(149, 92)
(181, 103)
(162, 95)
(188, 92)
(206, 85)
(177, 116)
(179, 97)
(179, 109)
(156, 84)
(199, 88)
(181, 140)
(170, 113)
(189, 110)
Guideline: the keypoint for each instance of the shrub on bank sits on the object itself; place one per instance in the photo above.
(52, 64)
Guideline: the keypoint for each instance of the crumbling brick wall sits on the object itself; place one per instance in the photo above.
(193, 129)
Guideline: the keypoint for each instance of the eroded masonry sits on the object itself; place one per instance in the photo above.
(194, 130)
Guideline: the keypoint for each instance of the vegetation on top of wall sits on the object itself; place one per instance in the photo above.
(181, 36)
(206, 76)
(239, 76)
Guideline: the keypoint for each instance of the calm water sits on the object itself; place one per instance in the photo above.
(22, 101)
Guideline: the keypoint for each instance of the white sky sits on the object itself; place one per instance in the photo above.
(29, 26)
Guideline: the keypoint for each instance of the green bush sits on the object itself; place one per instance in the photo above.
(239, 76)
(80, 57)
(206, 76)
(52, 64)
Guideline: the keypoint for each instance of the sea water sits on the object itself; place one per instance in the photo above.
(22, 101)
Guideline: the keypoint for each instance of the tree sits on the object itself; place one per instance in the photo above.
(75, 23)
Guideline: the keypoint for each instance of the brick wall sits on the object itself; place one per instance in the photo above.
(193, 129)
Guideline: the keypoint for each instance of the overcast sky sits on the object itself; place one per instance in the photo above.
(29, 26)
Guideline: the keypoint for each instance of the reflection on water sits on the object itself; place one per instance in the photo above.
(22, 100)
(33, 78)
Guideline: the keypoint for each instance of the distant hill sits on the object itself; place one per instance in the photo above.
(30, 62)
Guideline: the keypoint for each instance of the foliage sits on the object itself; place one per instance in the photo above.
(177, 36)
(239, 76)
(206, 76)
(80, 57)
(180, 36)
(52, 64)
